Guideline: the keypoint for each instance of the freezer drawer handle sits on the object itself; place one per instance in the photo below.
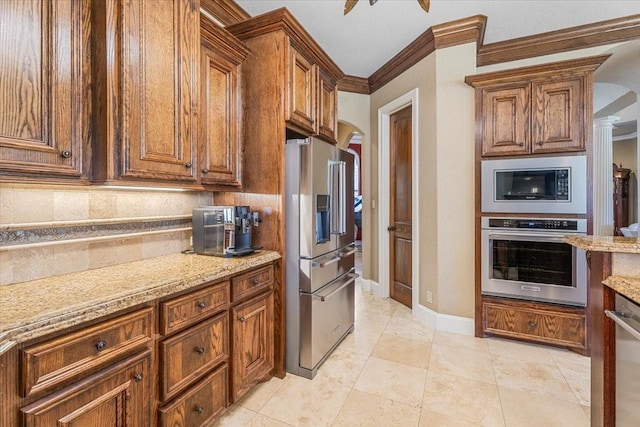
(323, 298)
(324, 264)
(618, 317)
(346, 254)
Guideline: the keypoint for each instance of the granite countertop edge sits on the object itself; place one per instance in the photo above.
(109, 290)
(626, 286)
(605, 243)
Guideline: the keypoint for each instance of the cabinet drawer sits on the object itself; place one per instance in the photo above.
(190, 354)
(559, 328)
(201, 405)
(251, 283)
(73, 356)
(178, 313)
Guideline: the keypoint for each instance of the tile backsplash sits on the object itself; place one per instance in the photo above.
(51, 230)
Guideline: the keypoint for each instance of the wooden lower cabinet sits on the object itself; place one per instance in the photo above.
(253, 351)
(544, 323)
(201, 404)
(115, 397)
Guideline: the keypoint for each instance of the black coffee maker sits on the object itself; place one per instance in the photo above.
(240, 224)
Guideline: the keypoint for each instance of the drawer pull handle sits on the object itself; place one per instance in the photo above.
(241, 318)
(532, 324)
(137, 378)
(199, 409)
(255, 281)
(201, 304)
(100, 345)
(200, 350)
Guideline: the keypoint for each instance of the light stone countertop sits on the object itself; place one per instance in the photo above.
(33, 309)
(605, 243)
(627, 286)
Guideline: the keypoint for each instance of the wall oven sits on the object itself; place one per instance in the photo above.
(547, 185)
(526, 259)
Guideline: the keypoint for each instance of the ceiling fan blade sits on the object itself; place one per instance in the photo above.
(349, 5)
(424, 4)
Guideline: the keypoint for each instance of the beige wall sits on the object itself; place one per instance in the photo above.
(29, 207)
(625, 153)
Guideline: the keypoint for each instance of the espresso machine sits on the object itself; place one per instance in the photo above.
(223, 230)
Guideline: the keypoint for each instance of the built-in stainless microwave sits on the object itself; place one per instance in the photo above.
(548, 185)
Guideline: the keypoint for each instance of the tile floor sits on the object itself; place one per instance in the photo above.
(395, 370)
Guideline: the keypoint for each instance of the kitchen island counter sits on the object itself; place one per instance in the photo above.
(34, 309)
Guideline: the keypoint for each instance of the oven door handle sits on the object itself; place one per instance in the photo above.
(542, 237)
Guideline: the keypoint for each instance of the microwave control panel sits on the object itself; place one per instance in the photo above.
(545, 224)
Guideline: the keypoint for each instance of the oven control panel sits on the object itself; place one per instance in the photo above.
(544, 224)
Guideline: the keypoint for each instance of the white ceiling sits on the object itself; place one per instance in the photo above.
(369, 36)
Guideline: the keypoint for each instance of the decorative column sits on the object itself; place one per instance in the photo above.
(603, 175)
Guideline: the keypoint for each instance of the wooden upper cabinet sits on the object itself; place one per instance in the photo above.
(506, 122)
(327, 106)
(289, 81)
(44, 60)
(220, 125)
(557, 121)
(301, 92)
(535, 110)
(147, 89)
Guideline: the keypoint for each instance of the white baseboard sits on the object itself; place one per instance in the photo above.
(445, 322)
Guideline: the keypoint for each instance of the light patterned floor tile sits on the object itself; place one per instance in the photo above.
(524, 409)
(236, 416)
(474, 365)
(302, 402)
(393, 381)
(520, 350)
(473, 401)
(403, 350)
(434, 419)
(366, 410)
(261, 421)
(342, 367)
(261, 393)
(458, 340)
(412, 329)
(532, 377)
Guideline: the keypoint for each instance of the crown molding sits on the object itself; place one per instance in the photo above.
(564, 40)
(461, 31)
(228, 12)
(354, 84)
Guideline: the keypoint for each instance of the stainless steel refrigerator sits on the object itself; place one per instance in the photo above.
(320, 258)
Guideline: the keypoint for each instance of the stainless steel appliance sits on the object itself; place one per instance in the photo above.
(627, 389)
(527, 259)
(223, 230)
(320, 258)
(547, 185)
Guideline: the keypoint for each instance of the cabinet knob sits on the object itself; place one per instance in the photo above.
(521, 144)
(532, 324)
(200, 350)
(242, 319)
(541, 143)
(255, 281)
(137, 378)
(199, 409)
(205, 171)
(66, 154)
(100, 345)
(201, 304)
(188, 165)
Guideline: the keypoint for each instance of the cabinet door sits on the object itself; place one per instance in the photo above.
(160, 42)
(252, 343)
(301, 88)
(220, 149)
(118, 396)
(327, 111)
(558, 119)
(43, 99)
(506, 124)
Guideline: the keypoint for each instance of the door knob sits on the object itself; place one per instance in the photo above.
(391, 228)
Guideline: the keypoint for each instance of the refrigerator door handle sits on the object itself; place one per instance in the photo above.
(338, 187)
(323, 298)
